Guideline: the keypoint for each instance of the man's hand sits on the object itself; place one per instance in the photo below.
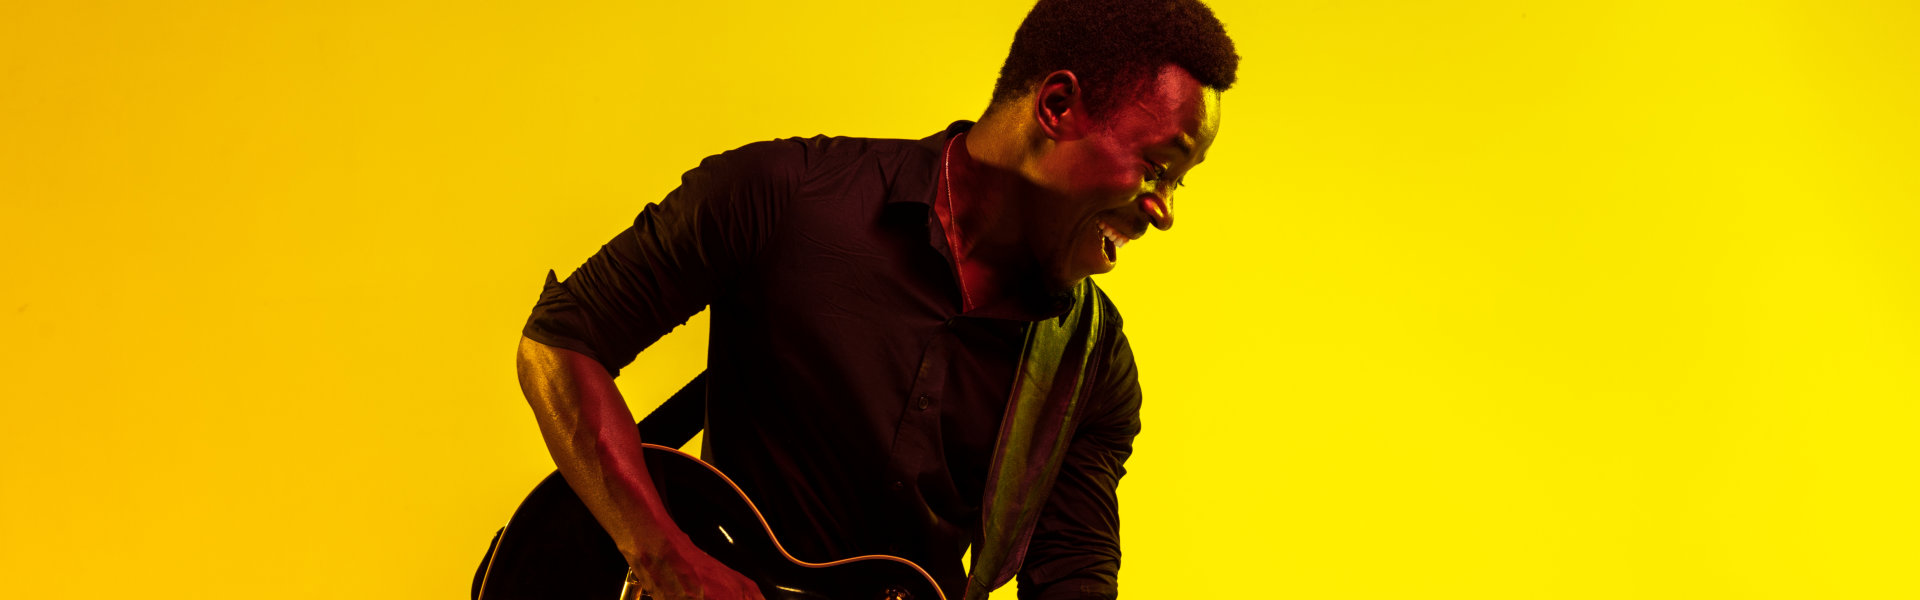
(683, 572)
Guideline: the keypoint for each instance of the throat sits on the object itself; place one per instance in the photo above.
(988, 273)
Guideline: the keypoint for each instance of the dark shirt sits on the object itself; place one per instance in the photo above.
(848, 395)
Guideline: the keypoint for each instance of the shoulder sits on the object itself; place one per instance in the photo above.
(777, 169)
(1110, 319)
(1111, 343)
(820, 155)
(1115, 404)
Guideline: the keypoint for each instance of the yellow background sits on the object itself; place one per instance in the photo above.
(1473, 299)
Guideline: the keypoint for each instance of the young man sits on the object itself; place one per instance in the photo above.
(878, 379)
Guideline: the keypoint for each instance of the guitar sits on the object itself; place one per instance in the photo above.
(553, 548)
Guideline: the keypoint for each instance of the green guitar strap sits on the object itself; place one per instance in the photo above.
(1049, 397)
(1050, 391)
(683, 415)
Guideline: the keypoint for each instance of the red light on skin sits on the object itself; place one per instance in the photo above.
(1158, 211)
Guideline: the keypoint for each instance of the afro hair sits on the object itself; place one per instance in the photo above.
(1114, 46)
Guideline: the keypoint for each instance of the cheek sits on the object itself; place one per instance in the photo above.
(1104, 172)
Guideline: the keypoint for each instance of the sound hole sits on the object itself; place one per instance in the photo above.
(894, 593)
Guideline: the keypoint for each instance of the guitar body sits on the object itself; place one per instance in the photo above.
(553, 547)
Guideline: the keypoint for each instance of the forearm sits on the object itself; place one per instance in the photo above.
(592, 438)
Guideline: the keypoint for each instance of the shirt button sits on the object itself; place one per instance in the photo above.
(924, 401)
(899, 485)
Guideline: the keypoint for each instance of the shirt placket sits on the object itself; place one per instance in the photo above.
(916, 444)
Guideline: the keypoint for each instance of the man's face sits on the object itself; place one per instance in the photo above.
(1121, 177)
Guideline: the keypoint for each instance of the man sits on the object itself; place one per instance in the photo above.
(875, 311)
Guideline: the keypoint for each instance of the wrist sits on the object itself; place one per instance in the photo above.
(662, 549)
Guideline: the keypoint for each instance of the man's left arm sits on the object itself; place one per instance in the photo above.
(1075, 549)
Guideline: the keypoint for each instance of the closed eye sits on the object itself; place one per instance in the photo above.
(1155, 172)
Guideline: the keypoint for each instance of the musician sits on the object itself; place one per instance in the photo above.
(872, 301)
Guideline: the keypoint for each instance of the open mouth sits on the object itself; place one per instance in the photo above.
(1111, 241)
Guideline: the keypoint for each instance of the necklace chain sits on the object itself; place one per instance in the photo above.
(953, 216)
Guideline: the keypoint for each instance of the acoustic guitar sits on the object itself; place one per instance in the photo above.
(553, 548)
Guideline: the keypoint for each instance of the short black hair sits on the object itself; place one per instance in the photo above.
(1115, 46)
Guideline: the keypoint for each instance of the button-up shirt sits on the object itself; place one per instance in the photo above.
(848, 395)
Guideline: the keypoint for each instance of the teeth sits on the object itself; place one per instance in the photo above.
(1119, 241)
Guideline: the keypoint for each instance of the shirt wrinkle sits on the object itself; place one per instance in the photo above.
(847, 395)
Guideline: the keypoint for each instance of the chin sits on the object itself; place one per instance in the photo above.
(1060, 279)
(1074, 268)
(1064, 285)
(1069, 277)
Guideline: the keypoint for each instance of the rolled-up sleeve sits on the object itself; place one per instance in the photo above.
(678, 254)
(1075, 549)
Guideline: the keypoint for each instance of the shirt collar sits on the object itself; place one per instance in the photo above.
(913, 177)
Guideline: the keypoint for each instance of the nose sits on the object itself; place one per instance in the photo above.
(1159, 209)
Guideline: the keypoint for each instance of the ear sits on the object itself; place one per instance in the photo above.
(1059, 108)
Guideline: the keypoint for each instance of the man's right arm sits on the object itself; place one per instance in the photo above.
(592, 437)
(644, 282)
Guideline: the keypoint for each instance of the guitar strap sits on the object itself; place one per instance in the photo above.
(676, 421)
(1051, 390)
(1050, 394)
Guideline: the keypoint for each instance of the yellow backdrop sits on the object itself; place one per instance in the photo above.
(1474, 299)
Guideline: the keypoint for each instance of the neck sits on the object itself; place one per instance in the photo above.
(996, 194)
(990, 196)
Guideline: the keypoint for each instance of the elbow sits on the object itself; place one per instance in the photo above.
(527, 361)
(525, 352)
(523, 356)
